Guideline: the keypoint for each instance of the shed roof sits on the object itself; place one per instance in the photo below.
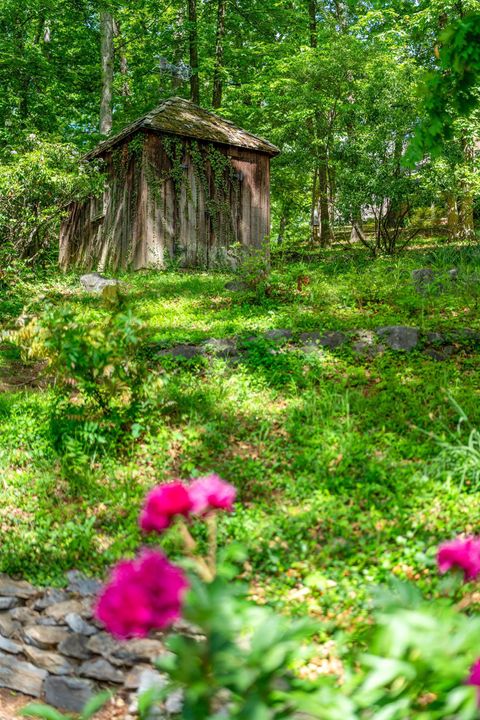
(177, 116)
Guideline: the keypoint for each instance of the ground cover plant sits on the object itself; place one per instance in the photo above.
(344, 463)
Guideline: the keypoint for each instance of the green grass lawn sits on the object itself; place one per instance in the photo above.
(337, 458)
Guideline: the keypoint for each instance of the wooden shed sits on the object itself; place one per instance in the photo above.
(183, 186)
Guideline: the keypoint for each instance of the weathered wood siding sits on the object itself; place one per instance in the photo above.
(155, 211)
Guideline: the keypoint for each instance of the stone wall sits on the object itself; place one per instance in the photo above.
(53, 649)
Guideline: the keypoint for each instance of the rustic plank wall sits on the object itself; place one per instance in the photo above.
(150, 215)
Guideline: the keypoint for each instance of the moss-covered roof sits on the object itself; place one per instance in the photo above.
(177, 116)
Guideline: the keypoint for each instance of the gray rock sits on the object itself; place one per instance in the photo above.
(174, 702)
(399, 337)
(423, 277)
(75, 646)
(466, 335)
(103, 644)
(442, 353)
(58, 611)
(16, 588)
(278, 335)
(236, 286)
(101, 669)
(96, 283)
(68, 693)
(149, 680)
(21, 676)
(9, 646)
(6, 603)
(333, 339)
(435, 338)
(365, 343)
(51, 597)
(44, 637)
(8, 626)
(310, 337)
(50, 661)
(24, 615)
(81, 584)
(182, 350)
(453, 274)
(137, 650)
(221, 348)
(76, 623)
(134, 676)
(312, 349)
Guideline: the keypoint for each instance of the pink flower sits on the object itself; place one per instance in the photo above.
(142, 595)
(474, 678)
(211, 493)
(461, 553)
(162, 504)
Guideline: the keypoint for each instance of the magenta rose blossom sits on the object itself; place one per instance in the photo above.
(211, 493)
(142, 595)
(474, 677)
(162, 504)
(462, 554)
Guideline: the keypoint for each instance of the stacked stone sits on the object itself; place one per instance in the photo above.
(52, 648)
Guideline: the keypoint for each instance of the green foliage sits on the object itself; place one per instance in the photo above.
(100, 378)
(44, 712)
(37, 181)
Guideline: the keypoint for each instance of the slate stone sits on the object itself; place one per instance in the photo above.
(24, 615)
(82, 585)
(59, 611)
(44, 637)
(399, 337)
(174, 702)
(8, 626)
(9, 646)
(435, 338)
(134, 677)
(103, 644)
(96, 283)
(309, 337)
(16, 588)
(75, 646)
(182, 350)
(21, 676)
(442, 353)
(423, 276)
(51, 661)
(7, 603)
(365, 343)
(333, 339)
(278, 335)
(51, 597)
(76, 623)
(68, 693)
(100, 669)
(138, 650)
(149, 679)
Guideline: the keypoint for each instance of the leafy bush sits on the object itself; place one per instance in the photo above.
(37, 181)
(99, 374)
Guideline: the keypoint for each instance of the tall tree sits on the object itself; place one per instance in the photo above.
(193, 51)
(106, 47)
(219, 52)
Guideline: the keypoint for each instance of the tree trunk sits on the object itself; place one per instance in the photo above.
(314, 220)
(281, 229)
(123, 60)
(219, 50)
(357, 226)
(325, 234)
(466, 228)
(312, 14)
(193, 50)
(452, 216)
(106, 31)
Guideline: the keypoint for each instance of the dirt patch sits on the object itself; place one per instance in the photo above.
(16, 376)
(12, 702)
